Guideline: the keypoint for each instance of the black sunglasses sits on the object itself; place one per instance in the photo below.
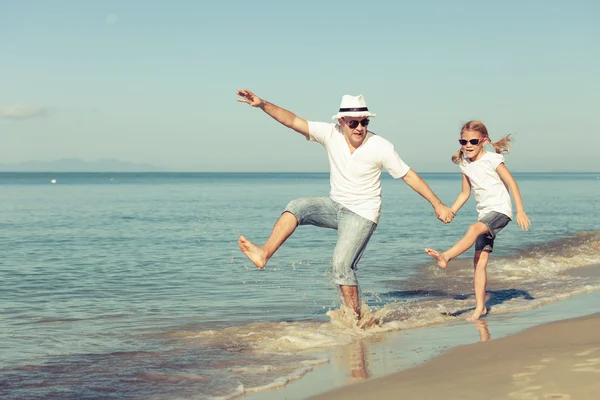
(354, 123)
(474, 142)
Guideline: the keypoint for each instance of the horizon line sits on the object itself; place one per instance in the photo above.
(259, 172)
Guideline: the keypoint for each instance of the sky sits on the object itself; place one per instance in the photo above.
(155, 82)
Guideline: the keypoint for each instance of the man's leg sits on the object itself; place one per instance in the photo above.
(259, 255)
(350, 295)
(319, 211)
(354, 233)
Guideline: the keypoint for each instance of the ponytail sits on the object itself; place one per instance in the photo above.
(457, 157)
(502, 145)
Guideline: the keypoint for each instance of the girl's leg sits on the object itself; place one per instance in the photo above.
(480, 281)
(464, 244)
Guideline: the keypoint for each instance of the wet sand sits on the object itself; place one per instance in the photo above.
(559, 360)
(589, 271)
(548, 352)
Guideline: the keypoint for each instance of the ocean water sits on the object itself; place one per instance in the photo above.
(117, 285)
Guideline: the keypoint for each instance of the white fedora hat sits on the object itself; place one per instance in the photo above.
(353, 106)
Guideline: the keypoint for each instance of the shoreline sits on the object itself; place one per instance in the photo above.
(558, 360)
(390, 354)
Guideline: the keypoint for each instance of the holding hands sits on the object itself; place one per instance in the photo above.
(444, 213)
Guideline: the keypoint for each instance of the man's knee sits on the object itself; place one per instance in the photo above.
(290, 215)
(294, 204)
(344, 272)
(299, 206)
(318, 211)
(295, 208)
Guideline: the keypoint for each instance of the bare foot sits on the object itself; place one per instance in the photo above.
(477, 313)
(369, 322)
(253, 252)
(441, 259)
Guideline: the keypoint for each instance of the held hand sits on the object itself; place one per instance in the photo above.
(523, 220)
(444, 213)
(249, 98)
(448, 217)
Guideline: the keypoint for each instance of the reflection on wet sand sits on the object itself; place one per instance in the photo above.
(353, 357)
(351, 361)
(357, 364)
(482, 327)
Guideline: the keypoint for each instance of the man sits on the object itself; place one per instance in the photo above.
(356, 158)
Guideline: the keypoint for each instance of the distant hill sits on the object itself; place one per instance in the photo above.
(77, 165)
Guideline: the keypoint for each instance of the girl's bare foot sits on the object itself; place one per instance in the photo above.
(253, 252)
(477, 314)
(441, 259)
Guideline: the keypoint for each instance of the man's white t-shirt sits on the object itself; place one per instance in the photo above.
(356, 177)
(490, 192)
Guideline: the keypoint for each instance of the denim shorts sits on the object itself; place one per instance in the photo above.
(495, 222)
(354, 232)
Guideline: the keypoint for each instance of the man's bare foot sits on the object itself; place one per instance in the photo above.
(253, 252)
(441, 259)
(369, 322)
(477, 314)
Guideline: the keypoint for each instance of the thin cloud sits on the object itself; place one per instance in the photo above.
(18, 111)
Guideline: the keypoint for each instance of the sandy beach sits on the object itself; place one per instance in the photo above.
(548, 352)
(559, 360)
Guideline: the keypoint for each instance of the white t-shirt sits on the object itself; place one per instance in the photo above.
(356, 178)
(490, 192)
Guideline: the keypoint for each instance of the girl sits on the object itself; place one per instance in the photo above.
(488, 176)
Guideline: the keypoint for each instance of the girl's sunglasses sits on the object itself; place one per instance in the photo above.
(474, 142)
(354, 123)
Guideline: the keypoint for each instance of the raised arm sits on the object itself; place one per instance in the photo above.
(416, 183)
(463, 196)
(507, 178)
(279, 114)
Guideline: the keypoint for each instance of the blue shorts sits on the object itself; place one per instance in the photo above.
(354, 232)
(495, 222)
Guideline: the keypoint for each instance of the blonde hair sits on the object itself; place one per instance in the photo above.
(500, 146)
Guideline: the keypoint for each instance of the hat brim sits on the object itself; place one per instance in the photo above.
(353, 114)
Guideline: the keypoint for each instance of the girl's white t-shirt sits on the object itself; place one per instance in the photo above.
(491, 193)
(356, 177)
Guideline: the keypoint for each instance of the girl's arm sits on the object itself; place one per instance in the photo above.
(507, 178)
(463, 196)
